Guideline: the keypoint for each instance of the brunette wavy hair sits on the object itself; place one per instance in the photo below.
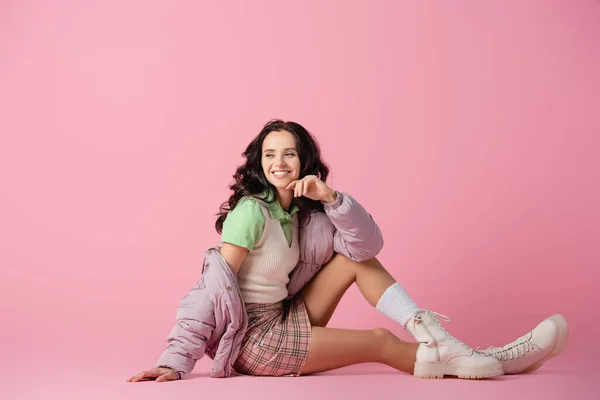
(250, 178)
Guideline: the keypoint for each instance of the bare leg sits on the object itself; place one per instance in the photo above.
(336, 348)
(332, 348)
(325, 290)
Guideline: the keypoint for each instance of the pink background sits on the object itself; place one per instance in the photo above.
(469, 129)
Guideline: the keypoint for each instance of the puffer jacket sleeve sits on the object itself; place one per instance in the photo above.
(356, 235)
(194, 327)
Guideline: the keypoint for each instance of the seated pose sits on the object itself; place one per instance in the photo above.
(290, 248)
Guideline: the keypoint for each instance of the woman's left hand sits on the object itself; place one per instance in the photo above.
(312, 187)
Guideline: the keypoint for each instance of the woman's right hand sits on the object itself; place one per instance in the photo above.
(160, 374)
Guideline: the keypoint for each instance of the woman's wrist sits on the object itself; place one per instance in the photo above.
(330, 198)
(177, 373)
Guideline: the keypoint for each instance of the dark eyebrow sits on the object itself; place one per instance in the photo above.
(289, 148)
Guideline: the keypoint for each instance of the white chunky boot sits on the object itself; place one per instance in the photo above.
(442, 354)
(528, 353)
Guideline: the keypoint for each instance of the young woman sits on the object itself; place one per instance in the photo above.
(290, 248)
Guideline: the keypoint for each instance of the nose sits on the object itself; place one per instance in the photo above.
(279, 162)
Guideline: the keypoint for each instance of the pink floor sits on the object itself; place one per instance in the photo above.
(78, 377)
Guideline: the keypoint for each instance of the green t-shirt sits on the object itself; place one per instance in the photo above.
(245, 224)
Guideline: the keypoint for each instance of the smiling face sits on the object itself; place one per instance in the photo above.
(280, 161)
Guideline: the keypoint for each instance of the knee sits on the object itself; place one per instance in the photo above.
(382, 333)
(384, 339)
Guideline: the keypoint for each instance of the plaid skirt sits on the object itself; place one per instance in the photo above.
(277, 340)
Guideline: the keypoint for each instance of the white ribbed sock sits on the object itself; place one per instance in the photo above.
(396, 304)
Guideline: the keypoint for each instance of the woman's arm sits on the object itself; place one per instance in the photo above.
(357, 235)
(242, 230)
(194, 326)
(234, 255)
(186, 344)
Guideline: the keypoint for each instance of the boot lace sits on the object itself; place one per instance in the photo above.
(511, 351)
(435, 316)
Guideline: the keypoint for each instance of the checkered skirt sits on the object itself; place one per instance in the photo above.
(274, 346)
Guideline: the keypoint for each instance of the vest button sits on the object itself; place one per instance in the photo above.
(228, 287)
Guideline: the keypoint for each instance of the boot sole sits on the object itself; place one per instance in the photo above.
(561, 342)
(425, 370)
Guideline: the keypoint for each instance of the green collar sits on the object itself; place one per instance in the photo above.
(275, 209)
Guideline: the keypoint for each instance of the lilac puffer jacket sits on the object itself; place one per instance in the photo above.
(212, 319)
